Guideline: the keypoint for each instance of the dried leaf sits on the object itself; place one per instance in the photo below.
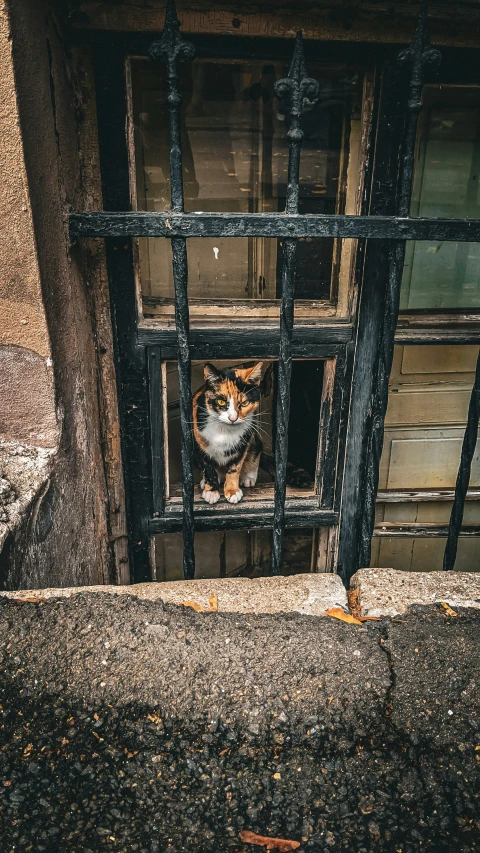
(448, 609)
(30, 600)
(353, 596)
(198, 607)
(338, 613)
(213, 605)
(280, 844)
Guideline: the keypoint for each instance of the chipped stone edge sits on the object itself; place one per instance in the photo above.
(414, 588)
(303, 594)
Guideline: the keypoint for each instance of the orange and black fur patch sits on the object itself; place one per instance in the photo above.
(227, 444)
(228, 448)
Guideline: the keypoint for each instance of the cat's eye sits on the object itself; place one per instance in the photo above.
(222, 403)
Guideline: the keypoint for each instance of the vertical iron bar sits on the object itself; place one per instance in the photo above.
(419, 55)
(463, 476)
(156, 427)
(171, 49)
(293, 91)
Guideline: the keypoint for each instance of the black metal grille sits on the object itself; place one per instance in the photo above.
(323, 340)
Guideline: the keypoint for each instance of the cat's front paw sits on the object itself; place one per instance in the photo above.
(233, 497)
(210, 496)
(248, 480)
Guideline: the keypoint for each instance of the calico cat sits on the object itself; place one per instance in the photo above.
(228, 448)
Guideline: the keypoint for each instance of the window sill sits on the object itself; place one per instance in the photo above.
(253, 512)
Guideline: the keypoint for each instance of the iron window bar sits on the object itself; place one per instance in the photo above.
(290, 225)
(172, 49)
(418, 57)
(463, 476)
(281, 225)
(292, 92)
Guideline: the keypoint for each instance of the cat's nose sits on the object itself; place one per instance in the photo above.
(233, 418)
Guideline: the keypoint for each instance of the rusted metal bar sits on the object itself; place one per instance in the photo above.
(343, 226)
(292, 91)
(418, 56)
(463, 477)
(172, 49)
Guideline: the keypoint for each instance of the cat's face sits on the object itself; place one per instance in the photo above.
(232, 395)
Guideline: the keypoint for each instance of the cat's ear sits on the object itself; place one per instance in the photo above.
(253, 374)
(211, 374)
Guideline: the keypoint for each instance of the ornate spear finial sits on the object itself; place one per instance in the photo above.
(295, 89)
(172, 47)
(419, 55)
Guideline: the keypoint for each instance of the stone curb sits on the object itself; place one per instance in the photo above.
(390, 592)
(308, 594)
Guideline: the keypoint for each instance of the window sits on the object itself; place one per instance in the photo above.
(431, 385)
(235, 159)
(430, 389)
(271, 222)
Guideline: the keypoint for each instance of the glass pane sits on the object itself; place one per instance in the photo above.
(235, 553)
(425, 512)
(423, 555)
(430, 388)
(235, 158)
(446, 184)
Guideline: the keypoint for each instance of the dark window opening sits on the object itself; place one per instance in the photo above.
(303, 426)
(236, 554)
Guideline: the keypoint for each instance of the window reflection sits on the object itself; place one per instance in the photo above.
(446, 184)
(235, 159)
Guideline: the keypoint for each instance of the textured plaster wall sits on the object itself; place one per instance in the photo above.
(21, 306)
(26, 381)
(49, 362)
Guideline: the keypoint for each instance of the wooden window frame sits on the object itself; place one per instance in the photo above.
(359, 346)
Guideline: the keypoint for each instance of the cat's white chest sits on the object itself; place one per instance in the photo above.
(222, 439)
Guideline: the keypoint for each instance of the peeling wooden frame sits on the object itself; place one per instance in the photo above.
(304, 507)
(422, 530)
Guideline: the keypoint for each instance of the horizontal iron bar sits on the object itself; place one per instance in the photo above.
(140, 224)
(396, 529)
(242, 519)
(320, 341)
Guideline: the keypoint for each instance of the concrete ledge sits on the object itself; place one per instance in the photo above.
(388, 592)
(134, 725)
(310, 595)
